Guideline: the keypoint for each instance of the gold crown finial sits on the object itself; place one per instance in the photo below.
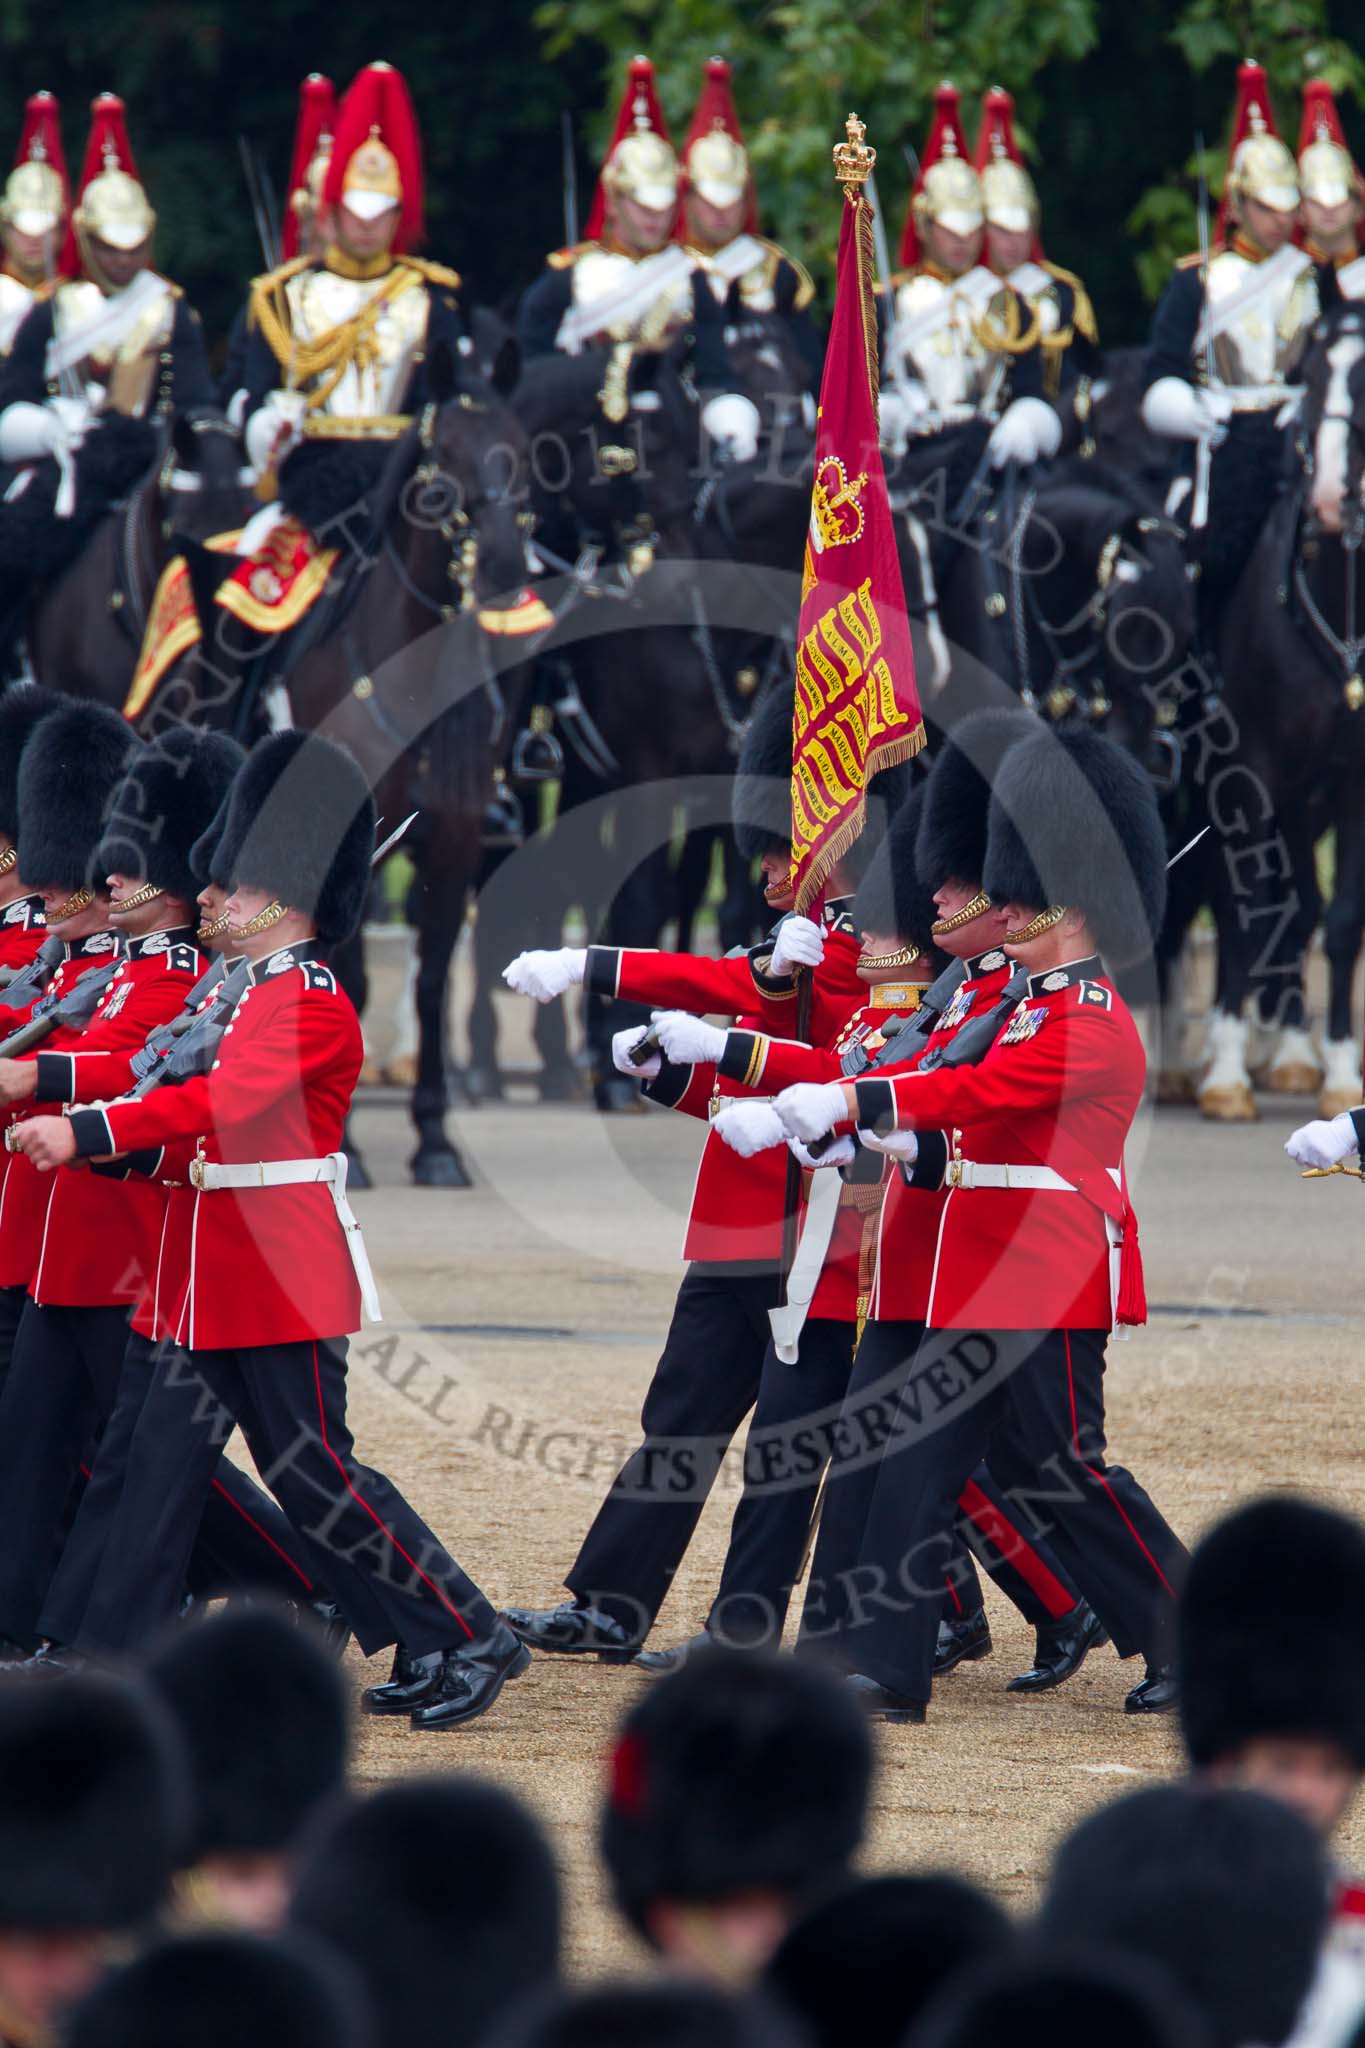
(853, 160)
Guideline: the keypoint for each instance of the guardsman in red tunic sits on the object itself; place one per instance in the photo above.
(274, 1265)
(1037, 1245)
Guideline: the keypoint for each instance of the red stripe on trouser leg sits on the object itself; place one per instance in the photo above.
(1013, 1546)
(1099, 1477)
(268, 1540)
(365, 1505)
(953, 1594)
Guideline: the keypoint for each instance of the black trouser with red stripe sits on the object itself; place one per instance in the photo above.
(243, 1543)
(290, 1399)
(1031, 1403)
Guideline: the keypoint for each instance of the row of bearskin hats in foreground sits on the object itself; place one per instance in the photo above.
(1035, 815)
(82, 797)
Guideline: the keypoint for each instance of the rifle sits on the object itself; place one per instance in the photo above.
(25, 988)
(159, 1041)
(75, 1009)
(195, 1042)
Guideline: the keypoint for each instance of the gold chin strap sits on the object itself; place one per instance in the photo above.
(902, 957)
(979, 903)
(1035, 928)
(138, 900)
(9, 860)
(214, 927)
(72, 907)
(262, 921)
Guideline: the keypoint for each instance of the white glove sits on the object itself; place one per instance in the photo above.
(904, 408)
(842, 1152)
(1323, 1143)
(273, 428)
(621, 1042)
(1183, 413)
(29, 432)
(731, 424)
(545, 975)
(800, 943)
(749, 1127)
(687, 1040)
(811, 1108)
(902, 1145)
(1028, 430)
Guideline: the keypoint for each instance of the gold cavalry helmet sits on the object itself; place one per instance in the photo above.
(1327, 172)
(643, 167)
(1009, 196)
(33, 201)
(951, 196)
(112, 206)
(718, 168)
(1264, 170)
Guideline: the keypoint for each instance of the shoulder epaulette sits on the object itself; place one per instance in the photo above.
(434, 273)
(805, 284)
(1094, 995)
(564, 259)
(316, 976)
(262, 288)
(1082, 311)
(184, 959)
(839, 921)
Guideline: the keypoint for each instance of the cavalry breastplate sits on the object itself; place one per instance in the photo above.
(16, 301)
(1259, 328)
(369, 330)
(756, 284)
(127, 368)
(605, 276)
(940, 331)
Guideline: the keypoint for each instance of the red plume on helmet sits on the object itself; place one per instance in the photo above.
(316, 123)
(947, 137)
(107, 149)
(1253, 116)
(639, 111)
(378, 107)
(1321, 121)
(715, 109)
(41, 138)
(995, 138)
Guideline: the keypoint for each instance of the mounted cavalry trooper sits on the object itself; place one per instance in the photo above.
(1226, 344)
(1067, 333)
(33, 214)
(631, 286)
(720, 223)
(1330, 183)
(117, 340)
(959, 345)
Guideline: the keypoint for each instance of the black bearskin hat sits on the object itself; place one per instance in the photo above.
(887, 790)
(263, 1714)
(21, 707)
(92, 1804)
(952, 833)
(740, 1772)
(219, 1990)
(1227, 1890)
(1073, 821)
(205, 862)
(648, 2015)
(171, 790)
(891, 899)
(443, 1893)
(864, 1965)
(761, 800)
(1060, 1996)
(301, 824)
(1272, 1630)
(74, 761)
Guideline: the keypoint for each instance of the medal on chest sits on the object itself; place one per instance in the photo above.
(118, 999)
(1023, 1025)
(956, 1010)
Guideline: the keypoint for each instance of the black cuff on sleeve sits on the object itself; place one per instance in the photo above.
(735, 1061)
(93, 1136)
(56, 1077)
(876, 1107)
(931, 1161)
(603, 970)
(670, 1084)
(1358, 1119)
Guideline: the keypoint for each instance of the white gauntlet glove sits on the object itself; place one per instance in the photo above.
(621, 1043)
(842, 1152)
(749, 1127)
(29, 432)
(274, 428)
(811, 1108)
(687, 1040)
(731, 423)
(1182, 413)
(1323, 1143)
(1028, 429)
(800, 943)
(546, 975)
(902, 1145)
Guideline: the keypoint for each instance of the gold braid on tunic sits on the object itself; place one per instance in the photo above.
(321, 364)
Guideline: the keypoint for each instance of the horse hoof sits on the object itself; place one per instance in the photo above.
(371, 1074)
(357, 1172)
(1295, 1078)
(1228, 1103)
(400, 1072)
(617, 1097)
(559, 1084)
(433, 1166)
(1175, 1084)
(1336, 1101)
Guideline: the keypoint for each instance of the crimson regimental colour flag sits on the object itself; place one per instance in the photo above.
(857, 708)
